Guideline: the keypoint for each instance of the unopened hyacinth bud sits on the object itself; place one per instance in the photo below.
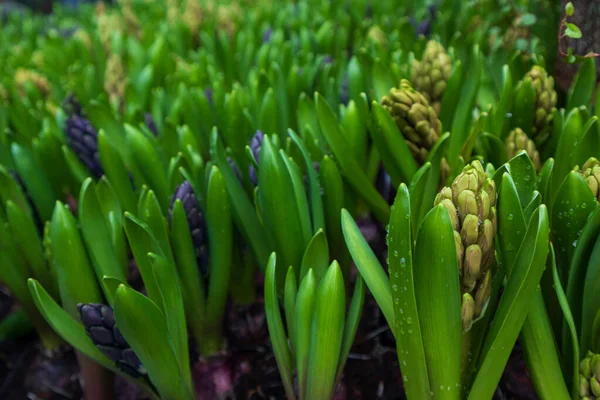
(383, 184)
(39, 81)
(591, 174)
(417, 120)
(150, 123)
(430, 75)
(71, 105)
(82, 137)
(518, 141)
(115, 78)
(589, 377)
(255, 146)
(99, 323)
(471, 205)
(196, 221)
(235, 168)
(545, 103)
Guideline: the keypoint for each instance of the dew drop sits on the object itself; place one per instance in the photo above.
(510, 217)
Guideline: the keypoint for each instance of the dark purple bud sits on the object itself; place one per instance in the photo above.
(196, 222)
(83, 140)
(72, 106)
(99, 323)
(383, 184)
(235, 168)
(149, 121)
(328, 59)
(424, 28)
(209, 95)
(267, 35)
(255, 147)
(344, 91)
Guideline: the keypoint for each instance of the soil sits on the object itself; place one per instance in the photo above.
(247, 369)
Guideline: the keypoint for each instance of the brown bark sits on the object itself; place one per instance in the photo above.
(587, 18)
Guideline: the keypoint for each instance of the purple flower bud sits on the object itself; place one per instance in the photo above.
(99, 323)
(149, 121)
(196, 222)
(344, 91)
(82, 137)
(72, 106)
(235, 168)
(209, 95)
(267, 35)
(255, 147)
(383, 183)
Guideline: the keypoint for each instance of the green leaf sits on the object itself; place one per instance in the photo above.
(76, 280)
(572, 31)
(383, 79)
(35, 181)
(333, 201)
(451, 95)
(499, 120)
(514, 305)
(352, 322)
(172, 304)
(303, 314)
(392, 147)
(495, 149)
(289, 304)
(144, 327)
(142, 242)
(591, 299)
(114, 169)
(157, 224)
(406, 318)
(528, 19)
(348, 164)
(97, 236)
(316, 257)
(582, 87)
(523, 111)
(368, 266)
(327, 333)
(418, 186)
(564, 305)
(522, 172)
(276, 330)
(300, 195)
(569, 9)
(436, 271)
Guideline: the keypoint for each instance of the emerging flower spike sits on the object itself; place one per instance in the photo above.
(430, 75)
(545, 103)
(150, 123)
(591, 174)
(518, 141)
(255, 146)
(83, 140)
(471, 204)
(71, 105)
(196, 222)
(417, 120)
(589, 377)
(99, 323)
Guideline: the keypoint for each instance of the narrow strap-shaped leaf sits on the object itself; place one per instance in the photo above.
(154, 218)
(276, 330)
(383, 79)
(76, 280)
(289, 304)
(544, 179)
(591, 299)
(172, 303)
(570, 211)
(303, 314)
(511, 222)
(242, 209)
(352, 321)
(564, 305)
(300, 195)
(437, 293)
(392, 147)
(114, 169)
(314, 189)
(144, 327)
(97, 237)
(316, 257)
(495, 149)
(409, 340)
(522, 172)
(535, 202)
(192, 287)
(582, 87)
(348, 164)
(142, 242)
(418, 186)
(113, 216)
(368, 266)
(513, 307)
(576, 277)
(499, 122)
(451, 95)
(333, 201)
(524, 106)
(327, 333)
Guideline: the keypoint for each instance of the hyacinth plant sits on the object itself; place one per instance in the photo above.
(127, 146)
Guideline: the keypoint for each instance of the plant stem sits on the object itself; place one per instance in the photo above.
(96, 381)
